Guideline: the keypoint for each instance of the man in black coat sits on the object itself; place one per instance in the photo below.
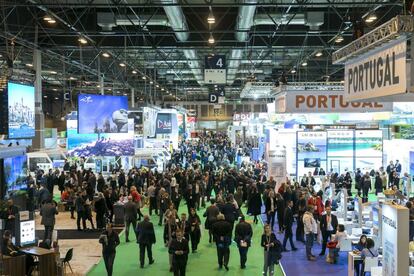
(243, 237)
(145, 238)
(288, 223)
(179, 250)
(130, 216)
(229, 211)
(222, 231)
(329, 223)
(184, 226)
(48, 212)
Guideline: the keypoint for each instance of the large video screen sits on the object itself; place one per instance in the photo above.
(21, 102)
(15, 173)
(102, 114)
(113, 144)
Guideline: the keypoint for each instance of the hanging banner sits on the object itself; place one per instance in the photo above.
(311, 101)
(164, 123)
(381, 72)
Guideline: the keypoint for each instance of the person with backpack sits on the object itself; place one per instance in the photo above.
(272, 250)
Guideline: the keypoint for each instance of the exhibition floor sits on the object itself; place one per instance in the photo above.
(202, 263)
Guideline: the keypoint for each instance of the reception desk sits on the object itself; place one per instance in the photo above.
(14, 266)
(47, 260)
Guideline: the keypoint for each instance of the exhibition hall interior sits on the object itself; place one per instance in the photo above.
(207, 137)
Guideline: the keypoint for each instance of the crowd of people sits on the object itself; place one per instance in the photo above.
(206, 176)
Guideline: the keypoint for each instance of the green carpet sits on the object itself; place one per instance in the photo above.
(202, 263)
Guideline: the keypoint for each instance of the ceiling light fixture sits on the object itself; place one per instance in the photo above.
(29, 65)
(45, 96)
(339, 39)
(53, 72)
(211, 19)
(51, 21)
(304, 63)
(122, 64)
(151, 82)
(134, 72)
(54, 89)
(106, 55)
(144, 77)
(162, 89)
(56, 98)
(157, 86)
(82, 40)
(211, 39)
(293, 71)
(319, 54)
(47, 18)
(72, 78)
(371, 18)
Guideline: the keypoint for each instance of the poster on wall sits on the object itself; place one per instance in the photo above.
(311, 144)
(277, 165)
(15, 173)
(164, 123)
(112, 144)
(149, 116)
(341, 143)
(368, 143)
(412, 163)
(102, 114)
(21, 110)
(181, 123)
(138, 118)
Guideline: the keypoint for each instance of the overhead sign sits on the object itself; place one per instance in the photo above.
(215, 76)
(164, 123)
(311, 101)
(213, 98)
(379, 73)
(215, 62)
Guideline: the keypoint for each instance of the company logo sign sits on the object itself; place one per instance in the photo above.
(164, 123)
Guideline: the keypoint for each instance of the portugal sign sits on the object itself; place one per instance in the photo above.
(379, 73)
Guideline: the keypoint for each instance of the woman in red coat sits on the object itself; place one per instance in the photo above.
(316, 202)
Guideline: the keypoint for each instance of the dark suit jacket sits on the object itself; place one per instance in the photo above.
(131, 211)
(288, 218)
(48, 213)
(230, 212)
(243, 232)
(323, 223)
(145, 232)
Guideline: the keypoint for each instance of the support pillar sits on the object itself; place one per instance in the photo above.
(132, 97)
(101, 85)
(38, 140)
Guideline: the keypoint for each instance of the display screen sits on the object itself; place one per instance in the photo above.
(27, 232)
(21, 102)
(341, 143)
(15, 173)
(102, 114)
(85, 145)
(312, 162)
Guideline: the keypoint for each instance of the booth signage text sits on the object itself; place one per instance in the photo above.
(324, 102)
(378, 73)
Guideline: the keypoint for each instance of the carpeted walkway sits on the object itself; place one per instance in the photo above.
(74, 234)
(202, 263)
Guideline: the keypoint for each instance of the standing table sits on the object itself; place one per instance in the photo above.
(47, 260)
